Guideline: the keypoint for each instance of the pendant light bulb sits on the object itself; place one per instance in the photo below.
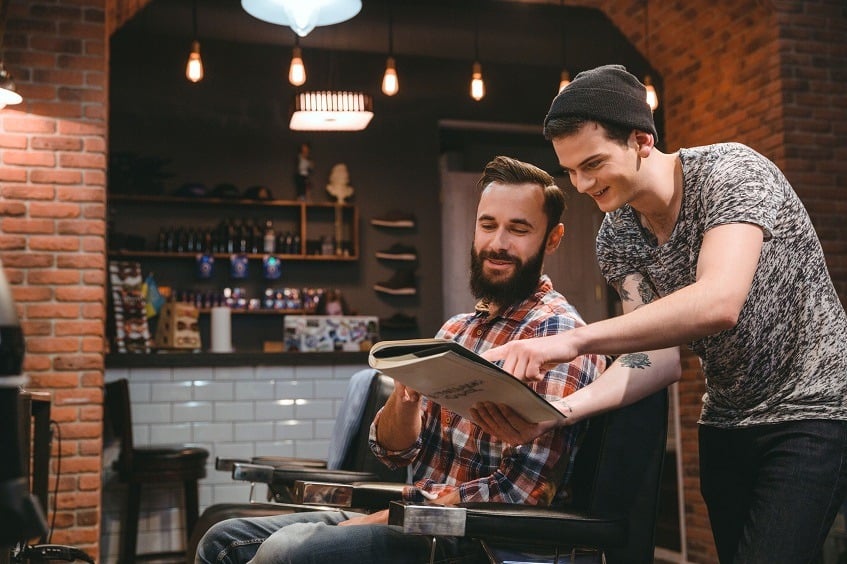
(297, 70)
(564, 80)
(390, 84)
(477, 85)
(194, 68)
(652, 96)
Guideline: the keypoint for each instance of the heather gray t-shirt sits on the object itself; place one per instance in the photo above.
(786, 359)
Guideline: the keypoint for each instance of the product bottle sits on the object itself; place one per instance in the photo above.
(270, 237)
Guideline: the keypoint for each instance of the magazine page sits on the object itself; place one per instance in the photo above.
(457, 378)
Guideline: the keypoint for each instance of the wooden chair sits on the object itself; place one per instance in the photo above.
(158, 464)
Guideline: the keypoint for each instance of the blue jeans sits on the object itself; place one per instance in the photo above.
(773, 490)
(313, 538)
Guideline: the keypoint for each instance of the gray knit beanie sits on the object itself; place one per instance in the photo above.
(608, 93)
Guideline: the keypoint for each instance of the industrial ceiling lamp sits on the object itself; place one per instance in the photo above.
(302, 15)
(652, 96)
(390, 84)
(565, 78)
(477, 84)
(194, 67)
(331, 111)
(297, 70)
(8, 93)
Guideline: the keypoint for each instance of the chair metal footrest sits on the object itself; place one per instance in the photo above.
(431, 520)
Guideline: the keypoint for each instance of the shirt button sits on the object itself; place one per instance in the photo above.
(479, 332)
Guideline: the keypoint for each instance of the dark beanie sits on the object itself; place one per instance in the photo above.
(605, 94)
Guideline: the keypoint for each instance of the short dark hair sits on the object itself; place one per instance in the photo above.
(570, 125)
(507, 170)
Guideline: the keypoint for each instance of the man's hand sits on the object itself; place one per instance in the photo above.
(406, 394)
(530, 359)
(503, 422)
(378, 518)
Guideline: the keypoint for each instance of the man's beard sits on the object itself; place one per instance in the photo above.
(514, 289)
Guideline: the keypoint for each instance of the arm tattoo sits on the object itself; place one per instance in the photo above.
(635, 360)
(645, 291)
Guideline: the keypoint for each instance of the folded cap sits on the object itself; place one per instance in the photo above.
(608, 93)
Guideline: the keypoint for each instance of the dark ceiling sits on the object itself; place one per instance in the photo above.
(510, 32)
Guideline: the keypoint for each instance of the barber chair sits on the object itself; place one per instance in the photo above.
(615, 486)
(350, 462)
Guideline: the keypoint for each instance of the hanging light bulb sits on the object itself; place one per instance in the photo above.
(652, 96)
(477, 85)
(8, 96)
(390, 84)
(564, 80)
(297, 70)
(194, 68)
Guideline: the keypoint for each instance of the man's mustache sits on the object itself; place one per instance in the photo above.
(502, 256)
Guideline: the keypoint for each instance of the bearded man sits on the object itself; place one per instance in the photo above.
(452, 459)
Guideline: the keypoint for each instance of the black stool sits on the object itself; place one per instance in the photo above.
(148, 465)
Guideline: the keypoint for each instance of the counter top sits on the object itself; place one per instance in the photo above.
(183, 359)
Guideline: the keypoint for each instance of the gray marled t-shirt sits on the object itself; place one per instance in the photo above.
(786, 359)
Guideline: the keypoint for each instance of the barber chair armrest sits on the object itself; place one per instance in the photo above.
(226, 464)
(287, 475)
(277, 461)
(430, 520)
(362, 495)
(253, 473)
(522, 524)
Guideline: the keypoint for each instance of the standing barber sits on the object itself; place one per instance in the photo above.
(711, 247)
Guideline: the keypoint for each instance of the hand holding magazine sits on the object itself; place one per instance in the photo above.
(457, 378)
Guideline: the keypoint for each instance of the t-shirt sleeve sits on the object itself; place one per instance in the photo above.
(742, 187)
(619, 251)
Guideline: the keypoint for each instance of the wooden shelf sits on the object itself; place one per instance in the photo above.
(183, 256)
(239, 311)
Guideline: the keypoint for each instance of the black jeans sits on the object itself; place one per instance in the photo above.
(773, 490)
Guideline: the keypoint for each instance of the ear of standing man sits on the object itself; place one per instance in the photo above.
(708, 247)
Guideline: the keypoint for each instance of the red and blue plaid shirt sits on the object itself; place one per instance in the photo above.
(454, 453)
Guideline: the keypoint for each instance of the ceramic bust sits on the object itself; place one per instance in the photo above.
(339, 183)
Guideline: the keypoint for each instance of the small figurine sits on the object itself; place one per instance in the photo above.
(303, 170)
(339, 183)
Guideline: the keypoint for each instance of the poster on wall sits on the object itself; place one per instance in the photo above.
(132, 333)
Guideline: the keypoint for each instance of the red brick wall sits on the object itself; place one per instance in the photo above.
(52, 226)
(768, 73)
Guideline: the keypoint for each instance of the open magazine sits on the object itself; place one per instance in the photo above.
(457, 378)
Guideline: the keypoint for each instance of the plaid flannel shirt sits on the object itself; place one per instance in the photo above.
(454, 453)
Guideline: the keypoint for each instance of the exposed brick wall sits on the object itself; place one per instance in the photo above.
(52, 226)
(768, 73)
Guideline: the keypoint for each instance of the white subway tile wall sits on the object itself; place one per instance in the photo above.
(234, 412)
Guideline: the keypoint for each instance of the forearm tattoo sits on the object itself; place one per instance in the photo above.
(635, 360)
